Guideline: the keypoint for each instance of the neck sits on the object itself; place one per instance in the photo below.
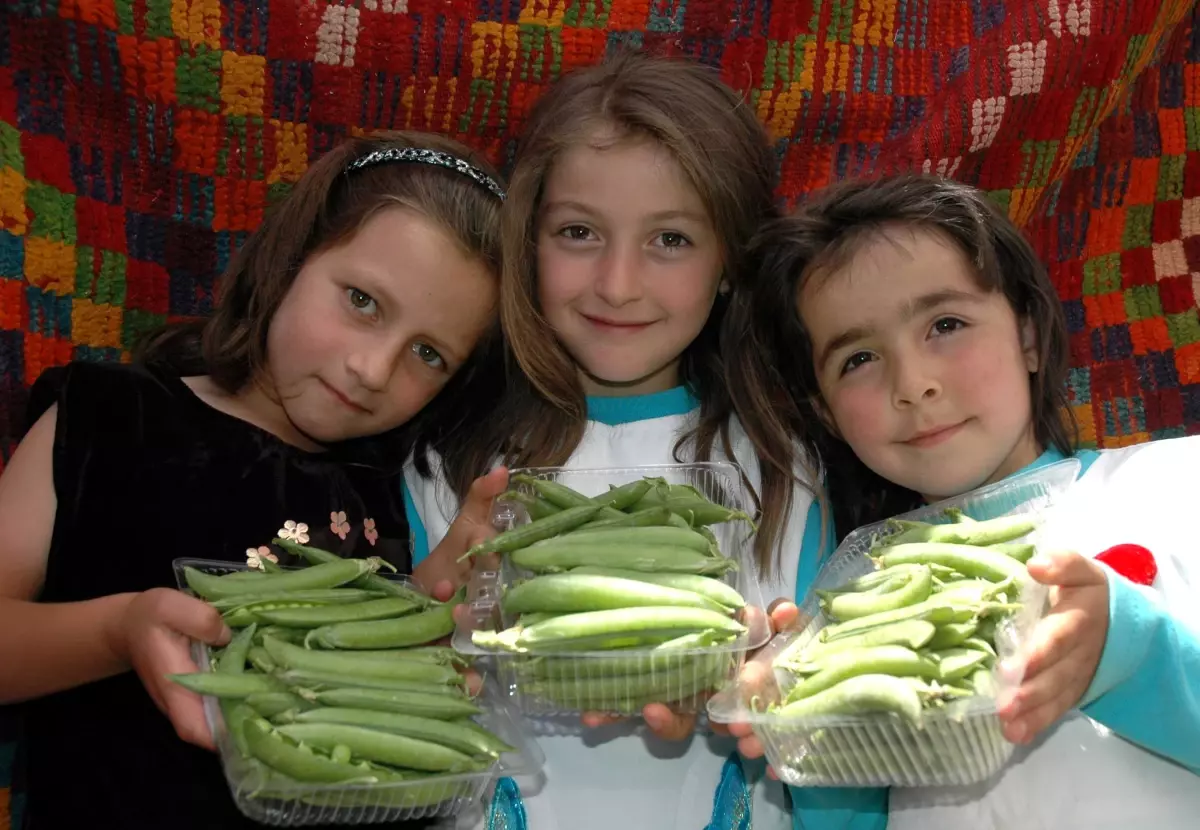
(658, 381)
(255, 404)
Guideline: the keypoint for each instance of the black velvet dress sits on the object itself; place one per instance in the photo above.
(146, 472)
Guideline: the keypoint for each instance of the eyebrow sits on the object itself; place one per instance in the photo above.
(661, 216)
(913, 308)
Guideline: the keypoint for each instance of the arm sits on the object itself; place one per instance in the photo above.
(57, 646)
(1147, 685)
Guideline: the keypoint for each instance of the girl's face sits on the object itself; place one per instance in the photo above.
(372, 328)
(923, 373)
(628, 263)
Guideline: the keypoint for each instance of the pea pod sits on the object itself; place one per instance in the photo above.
(370, 581)
(671, 536)
(912, 634)
(691, 504)
(523, 536)
(658, 558)
(412, 630)
(328, 575)
(535, 506)
(575, 592)
(966, 559)
(1019, 551)
(934, 610)
(860, 695)
(382, 747)
(325, 596)
(957, 663)
(270, 704)
(351, 664)
(320, 680)
(593, 692)
(707, 586)
(305, 765)
(562, 496)
(232, 686)
(597, 625)
(232, 660)
(892, 660)
(461, 735)
(871, 581)
(668, 655)
(852, 606)
(317, 616)
(990, 532)
(442, 707)
(650, 517)
(952, 634)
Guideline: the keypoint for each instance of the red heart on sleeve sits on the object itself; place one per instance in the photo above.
(1133, 562)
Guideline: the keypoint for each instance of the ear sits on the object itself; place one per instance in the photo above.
(723, 287)
(1029, 348)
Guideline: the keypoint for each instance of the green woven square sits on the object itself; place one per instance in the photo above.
(1170, 178)
(53, 213)
(1184, 328)
(198, 79)
(276, 192)
(1084, 114)
(841, 20)
(587, 14)
(1142, 302)
(1039, 162)
(125, 16)
(1139, 219)
(103, 283)
(237, 140)
(534, 41)
(136, 323)
(1191, 126)
(784, 61)
(158, 19)
(10, 148)
(1001, 198)
(1102, 275)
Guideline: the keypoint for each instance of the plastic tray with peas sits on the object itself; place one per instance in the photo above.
(617, 588)
(894, 680)
(331, 705)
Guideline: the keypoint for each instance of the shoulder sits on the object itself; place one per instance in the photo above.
(106, 392)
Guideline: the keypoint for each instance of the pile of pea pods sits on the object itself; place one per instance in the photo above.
(919, 631)
(333, 678)
(617, 600)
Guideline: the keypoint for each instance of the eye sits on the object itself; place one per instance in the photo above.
(362, 302)
(856, 360)
(576, 233)
(428, 355)
(945, 325)
(672, 240)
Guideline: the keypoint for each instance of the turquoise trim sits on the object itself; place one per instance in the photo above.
(732, 803)
(507, 810)
(418, 538)
(615, 411)
(1085, 458)
(812, 553)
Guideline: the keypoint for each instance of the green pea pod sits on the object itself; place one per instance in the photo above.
(574, 592)
(853, 606)
(325, 596)
(671, 536)
(866, 693)
(707, 586)
(599, 692)
(232, 686)
(462, 736)
(650, 517)
(563, 496)
(804, 656)
(270, 704)
(991, 532)
(1021, 552)
(370, 581)
(934, 610)
(303, 764)
(382, 747)
(523, 536)
(957, 663)
(651, 558)
(261, 660)
(411, 630)
(893, 660)
(658, 658)
(317, 616)
(232, 660)
(966, 559)
(328, 575)
(320, 680)
(952, 634)
(535, 506)
(351, 664)
(691, 504)
(442, 707)
(592, 625)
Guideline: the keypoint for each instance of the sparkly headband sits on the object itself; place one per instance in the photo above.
(434, 157)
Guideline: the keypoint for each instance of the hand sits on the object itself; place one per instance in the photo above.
(441, 574)
(1065, 648)
(670, 725)
(154, 634)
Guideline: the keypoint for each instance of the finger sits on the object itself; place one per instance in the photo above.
(1031, 723)
(1052, 638)
(477, 506)
(443, 590)
(192, 617)
(594, 720)
(750, 747)
(668, 725)
(784, 615)
(1065, 569)
(1054, 680)
(757, 680)
(473, 681)
(740, 729)
(774, 776)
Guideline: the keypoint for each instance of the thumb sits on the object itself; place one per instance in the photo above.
(477, 506)
(1065, 569)
(197, 619)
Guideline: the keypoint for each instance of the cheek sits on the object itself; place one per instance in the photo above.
(989, 378)
(860, 412)
(688, 297)
(559, 279)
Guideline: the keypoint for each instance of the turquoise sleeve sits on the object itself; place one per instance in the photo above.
(1147, 684)
(416, 527)
(830, 808)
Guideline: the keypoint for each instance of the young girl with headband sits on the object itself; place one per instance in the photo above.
(363, 297)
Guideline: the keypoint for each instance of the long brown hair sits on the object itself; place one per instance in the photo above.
(724, 152)
(327, 206)
(772, 377)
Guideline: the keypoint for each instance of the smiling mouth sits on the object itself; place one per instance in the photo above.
(615, 325)
(933, 437)
(349, 403)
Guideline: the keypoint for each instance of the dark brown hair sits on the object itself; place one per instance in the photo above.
(326, 207)
(771, 374)
(723, 150)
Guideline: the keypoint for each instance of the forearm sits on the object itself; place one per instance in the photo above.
(45, 648)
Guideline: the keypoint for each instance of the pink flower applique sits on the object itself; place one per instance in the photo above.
(338, 524)
(297, 532)
(370, 532)
(256, 556)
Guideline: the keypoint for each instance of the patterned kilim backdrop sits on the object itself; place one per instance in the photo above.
(140, 140)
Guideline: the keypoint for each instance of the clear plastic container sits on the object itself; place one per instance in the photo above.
(272, 799)
(618, 682)
(960, 743)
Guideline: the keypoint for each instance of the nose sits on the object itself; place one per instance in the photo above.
(371, 363)
(914, 381)
(619, 279)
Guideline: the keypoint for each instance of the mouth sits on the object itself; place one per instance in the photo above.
(345, 400)
(933, 437)
(607, 324)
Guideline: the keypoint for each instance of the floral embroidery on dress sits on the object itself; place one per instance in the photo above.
(256, 556)
(370, 532)
(339, 525)
(296, 532)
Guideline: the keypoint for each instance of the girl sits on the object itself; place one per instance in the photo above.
(349, 310)
(921, 340)
(636, 186)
